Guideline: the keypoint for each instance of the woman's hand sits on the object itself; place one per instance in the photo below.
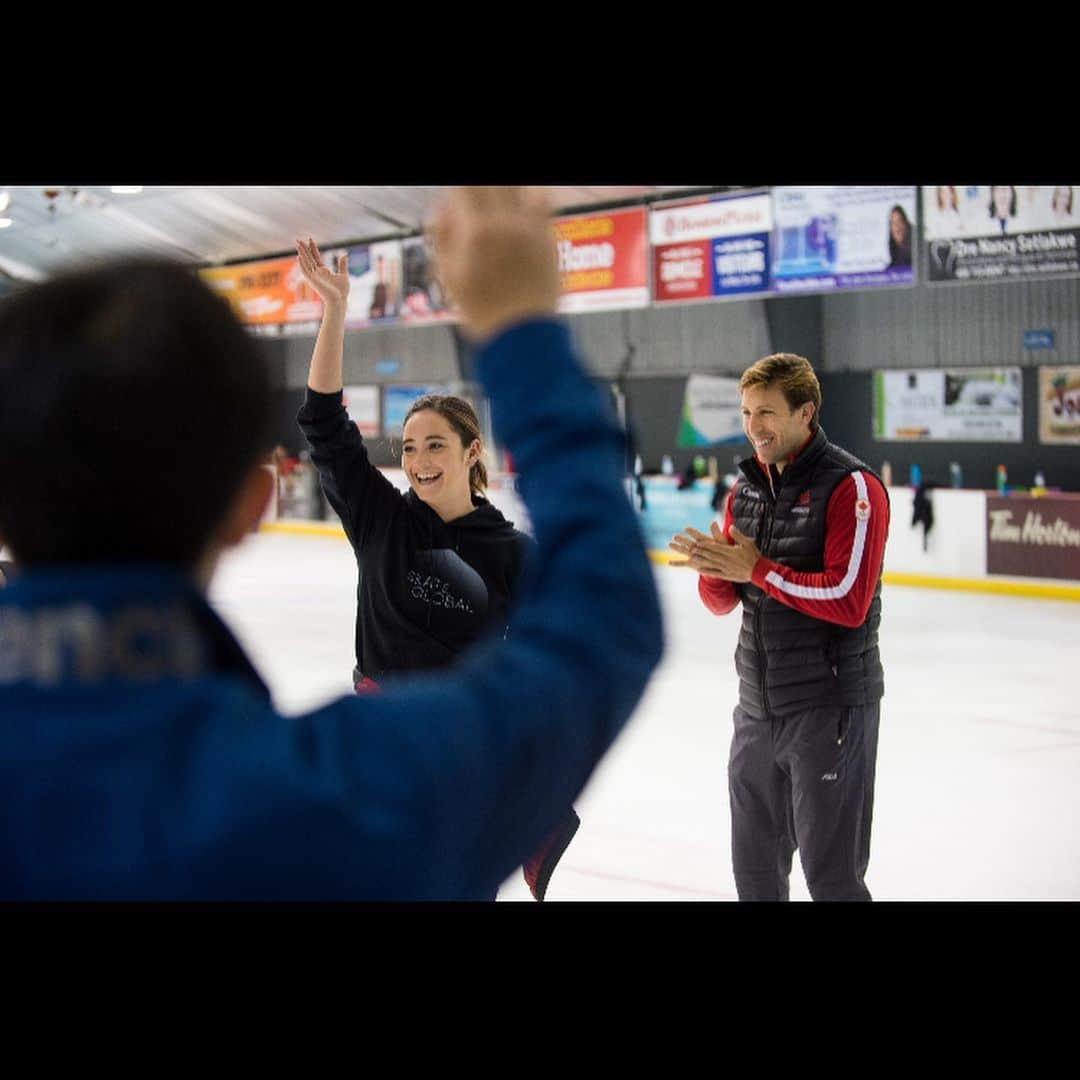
(333, 288)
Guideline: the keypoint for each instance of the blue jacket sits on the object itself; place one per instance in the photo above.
(141, 756)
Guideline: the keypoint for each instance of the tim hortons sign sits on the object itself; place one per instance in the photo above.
(1033, 537)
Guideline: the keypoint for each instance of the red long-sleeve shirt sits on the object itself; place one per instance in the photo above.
(856, 526)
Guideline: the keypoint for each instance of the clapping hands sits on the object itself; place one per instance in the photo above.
(715, 556)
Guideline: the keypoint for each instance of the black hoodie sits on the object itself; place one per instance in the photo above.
(426, 588)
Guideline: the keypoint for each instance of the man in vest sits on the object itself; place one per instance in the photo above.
(801, 546)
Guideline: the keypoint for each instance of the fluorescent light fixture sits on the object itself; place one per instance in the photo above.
(126, 190)
(5, 200)
(5, 222)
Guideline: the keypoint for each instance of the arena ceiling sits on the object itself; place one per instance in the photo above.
(52, 228)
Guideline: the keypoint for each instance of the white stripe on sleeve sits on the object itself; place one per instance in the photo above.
(835, 592)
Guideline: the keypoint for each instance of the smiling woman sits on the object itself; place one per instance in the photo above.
(441, 454)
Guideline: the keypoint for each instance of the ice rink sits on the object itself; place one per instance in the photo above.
(978, 775)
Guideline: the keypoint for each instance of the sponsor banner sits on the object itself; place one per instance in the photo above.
(964, 404)
(423, 297)
(362, 404)
(1000, 232)
(375, 283)
(603, 260)
(606, 300)
(828, 238)
(271, 292)
(711, 247)
(1059, 404)
(711, 413)
(396, 403)
(1033, 537)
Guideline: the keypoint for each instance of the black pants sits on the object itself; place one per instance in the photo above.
(803, 781)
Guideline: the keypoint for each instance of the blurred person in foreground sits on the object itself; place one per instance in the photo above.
(142, 757)
(801, 548)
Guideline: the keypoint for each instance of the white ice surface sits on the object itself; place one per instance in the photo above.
(978, 774)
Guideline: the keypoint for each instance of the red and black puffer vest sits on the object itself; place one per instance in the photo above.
(787, 661)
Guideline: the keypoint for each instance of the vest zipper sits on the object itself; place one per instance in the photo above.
(758, 634)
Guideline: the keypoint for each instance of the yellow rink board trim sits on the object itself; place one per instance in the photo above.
(663, 556)
(925, 581)
(304, 528)
(1011, 588)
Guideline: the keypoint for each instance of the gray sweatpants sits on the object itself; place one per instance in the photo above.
(806, 781)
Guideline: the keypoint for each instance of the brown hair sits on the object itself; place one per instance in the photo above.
(793, 375)
(462, 418)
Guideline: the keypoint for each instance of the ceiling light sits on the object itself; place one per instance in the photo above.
(5, 222)
(126, 190)
(5, 200)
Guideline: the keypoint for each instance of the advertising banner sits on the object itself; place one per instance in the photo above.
(1033, 537)
(423, 297)
(828, 238)
(603, 261)
(963, 404)
(1000, 232)
(1059, 404)
(266, 293)
(375, 283)
(362, 405)
(711, 413)
(711, 247)
(396, 403)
